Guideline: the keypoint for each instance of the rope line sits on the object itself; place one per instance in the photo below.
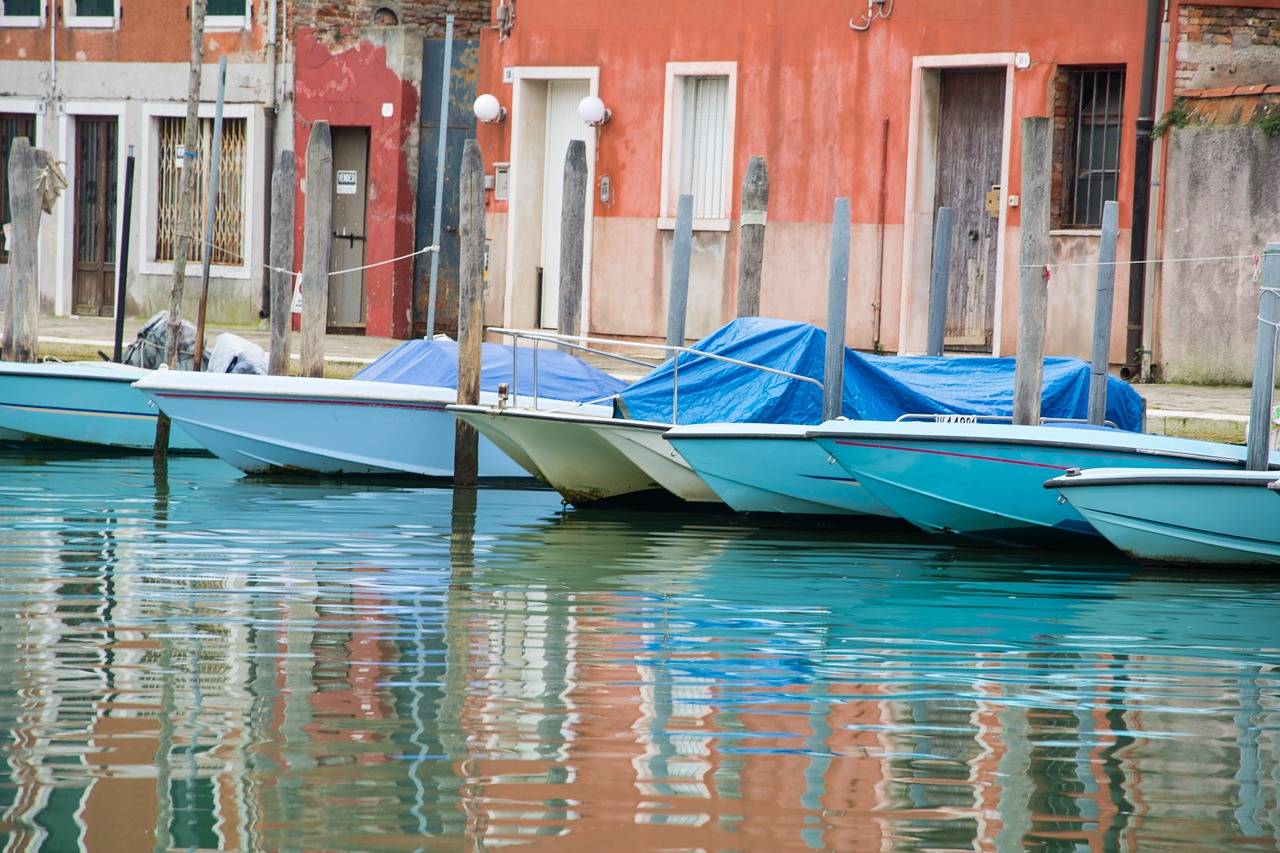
(209, 245)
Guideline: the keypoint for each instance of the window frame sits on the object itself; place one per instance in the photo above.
(36, 20)
(674, 134)
(72, 18)
(229, 22)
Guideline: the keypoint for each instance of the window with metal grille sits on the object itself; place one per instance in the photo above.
(228, 218)
(1091, 124)
(703, 145)
(12, 126)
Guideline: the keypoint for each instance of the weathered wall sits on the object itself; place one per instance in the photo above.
(1227, 45)
(1220, 203)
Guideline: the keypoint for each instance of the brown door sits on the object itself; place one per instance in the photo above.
(93, 281)
(350, 203)
(970, 143)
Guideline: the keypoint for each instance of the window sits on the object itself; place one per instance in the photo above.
(12, 126)
(90, 13)
(1089, 118)
(699, 143)
(228, 219)
(226, 14)
(21, 13)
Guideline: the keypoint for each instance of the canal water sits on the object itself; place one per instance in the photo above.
(202, 661)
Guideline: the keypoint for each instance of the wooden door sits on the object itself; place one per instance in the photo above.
(93, 278)
(970, 145)
(563, 125)
(350, 205)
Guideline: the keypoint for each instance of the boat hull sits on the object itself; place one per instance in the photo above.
(322, 427)
(985, 481)
(1180, 517)
(772, 468)
(81, 402)
(568, 452)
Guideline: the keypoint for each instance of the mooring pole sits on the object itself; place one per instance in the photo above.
(1033, 288)
(284, 182)
(573, 212)
(441, 148)
(1264, 363)
(681, 253)
(1102, 313)
(755, 201)
(206, 254)
(466, 460)
(21, 338)
(837, 306)
(939, 280)
(317, 248)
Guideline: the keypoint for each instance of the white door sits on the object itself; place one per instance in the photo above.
(563, 125)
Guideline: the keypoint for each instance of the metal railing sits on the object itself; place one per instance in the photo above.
(581, 343)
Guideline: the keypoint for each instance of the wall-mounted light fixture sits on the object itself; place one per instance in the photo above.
(875, 9)
(488, 110)
(593, 111)
(505, 18)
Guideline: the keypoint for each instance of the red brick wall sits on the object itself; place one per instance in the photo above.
(470, 16)
(1214, 41)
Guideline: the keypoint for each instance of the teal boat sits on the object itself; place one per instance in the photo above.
(1180, 516)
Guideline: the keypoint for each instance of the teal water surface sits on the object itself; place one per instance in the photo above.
(206, 662)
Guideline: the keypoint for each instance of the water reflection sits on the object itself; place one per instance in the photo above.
(211, 662)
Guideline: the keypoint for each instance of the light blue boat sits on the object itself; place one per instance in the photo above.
(772, 468)
(89, 402)
(1180, 516)
(985, 480)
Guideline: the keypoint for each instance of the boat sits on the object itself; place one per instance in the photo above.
(751, 369)
(801, 477)
(81, 402)
(1180, 516)
(387, 420)
(984, 481)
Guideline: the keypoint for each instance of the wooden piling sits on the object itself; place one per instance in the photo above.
(755, 202)
(470, 309)
(1033, 294)
(837, 307)
(1258, 439)
(939, 280)
(681, 254)
(572, 228)
(206, 255)
(122, 270)
(22, 308)
(317, 248)
(284, 182)
(1102, 305)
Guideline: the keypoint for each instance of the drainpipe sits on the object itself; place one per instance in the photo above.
(1141, 192)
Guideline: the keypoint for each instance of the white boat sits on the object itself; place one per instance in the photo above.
(772, 468)
(985, 480)
(83, 402)
(359, 426)
(1180, 516)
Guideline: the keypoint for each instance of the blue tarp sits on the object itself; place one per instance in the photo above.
(875, 387)
(561, 376)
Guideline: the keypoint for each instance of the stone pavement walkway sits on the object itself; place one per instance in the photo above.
(1217, 413)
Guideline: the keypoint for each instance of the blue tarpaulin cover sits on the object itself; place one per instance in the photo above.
(561, 376)
(875, 387)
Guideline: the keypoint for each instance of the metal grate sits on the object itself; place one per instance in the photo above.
(702, 162)
(1096, 136)
(228, 218)
(12, 126)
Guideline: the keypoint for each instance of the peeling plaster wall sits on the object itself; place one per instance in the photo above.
(1220, 203)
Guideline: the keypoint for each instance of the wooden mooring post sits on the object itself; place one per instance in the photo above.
(466, 461)
(1102, 313)
(22, 304)
(837, 307)
(681, 255)
(939, 280)
(1033, 293)
(317, 249)
(1258, 439)
(755, 201)
(573, 211)
(284, 182)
